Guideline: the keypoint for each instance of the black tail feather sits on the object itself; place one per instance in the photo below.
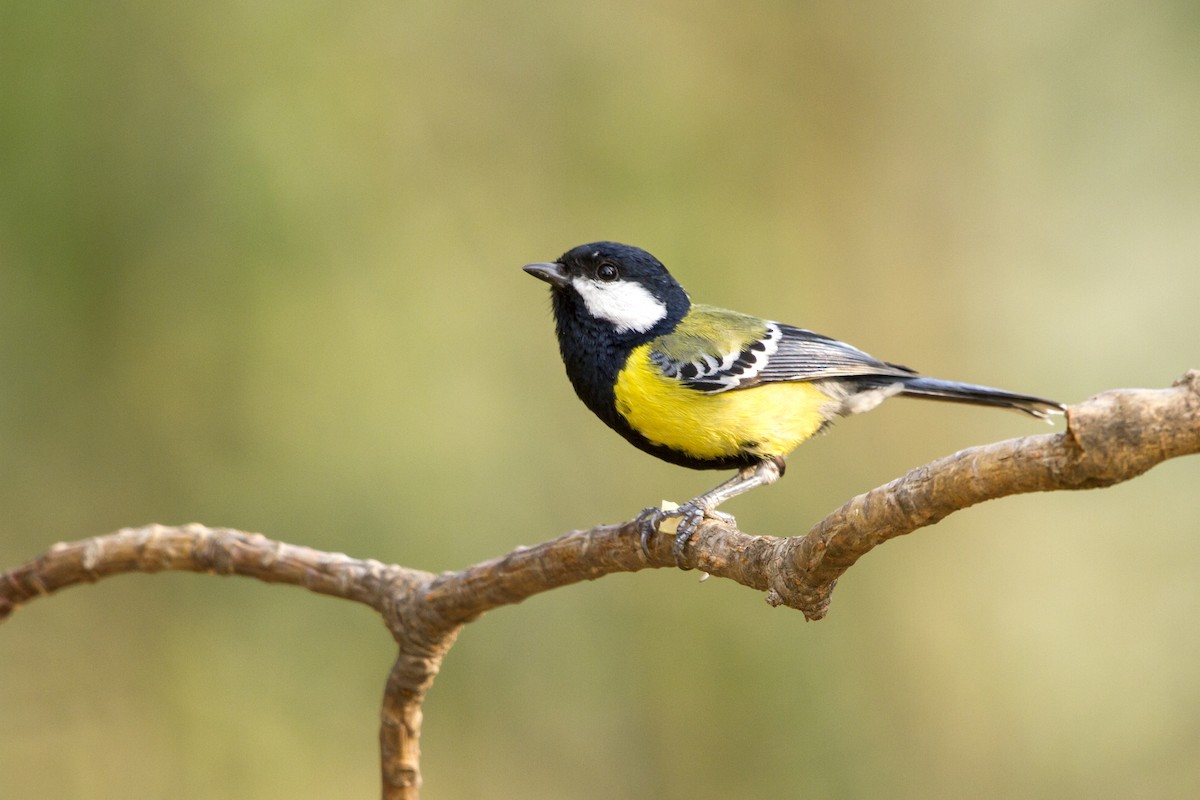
(951, 391)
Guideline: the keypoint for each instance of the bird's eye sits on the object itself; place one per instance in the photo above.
(608, 272)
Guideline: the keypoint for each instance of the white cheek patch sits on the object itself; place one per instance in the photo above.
(628, 305)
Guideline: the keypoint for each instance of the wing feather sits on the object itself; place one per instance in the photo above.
(715, 351)
(805, 356)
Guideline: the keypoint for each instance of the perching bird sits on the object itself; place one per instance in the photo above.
(708, 388)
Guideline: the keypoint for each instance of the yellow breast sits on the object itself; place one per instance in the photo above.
(768, 420)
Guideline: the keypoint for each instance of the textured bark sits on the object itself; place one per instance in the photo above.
(1110, 438)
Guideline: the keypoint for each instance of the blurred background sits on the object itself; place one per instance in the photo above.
(260, 267)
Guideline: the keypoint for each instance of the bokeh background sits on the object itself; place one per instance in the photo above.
(260, 267)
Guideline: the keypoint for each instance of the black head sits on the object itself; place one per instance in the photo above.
(614, 287)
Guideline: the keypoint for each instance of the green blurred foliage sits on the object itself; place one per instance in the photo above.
(260, 267)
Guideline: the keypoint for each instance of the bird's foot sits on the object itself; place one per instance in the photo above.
(690, 515)
(648, 521)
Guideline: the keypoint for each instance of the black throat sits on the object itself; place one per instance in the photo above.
(594, 352)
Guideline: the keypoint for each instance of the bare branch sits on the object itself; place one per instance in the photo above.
(391, 590)
(1110, 438)
(196, 548)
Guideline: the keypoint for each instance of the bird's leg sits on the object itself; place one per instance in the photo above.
(693, 512)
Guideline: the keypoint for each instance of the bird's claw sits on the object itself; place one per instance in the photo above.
(690, 516)
(648, 521)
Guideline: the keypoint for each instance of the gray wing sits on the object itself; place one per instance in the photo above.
(781, 354)
(802, 355)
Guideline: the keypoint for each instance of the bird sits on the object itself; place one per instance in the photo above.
(708, 388)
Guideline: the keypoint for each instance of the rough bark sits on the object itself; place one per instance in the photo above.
(1110, 438)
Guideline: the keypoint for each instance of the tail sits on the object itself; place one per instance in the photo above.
(950, 391)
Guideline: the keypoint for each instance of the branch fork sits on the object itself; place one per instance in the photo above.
(1112, 437)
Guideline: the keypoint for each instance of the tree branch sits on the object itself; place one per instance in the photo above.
(393, 591)
(1110, 438)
